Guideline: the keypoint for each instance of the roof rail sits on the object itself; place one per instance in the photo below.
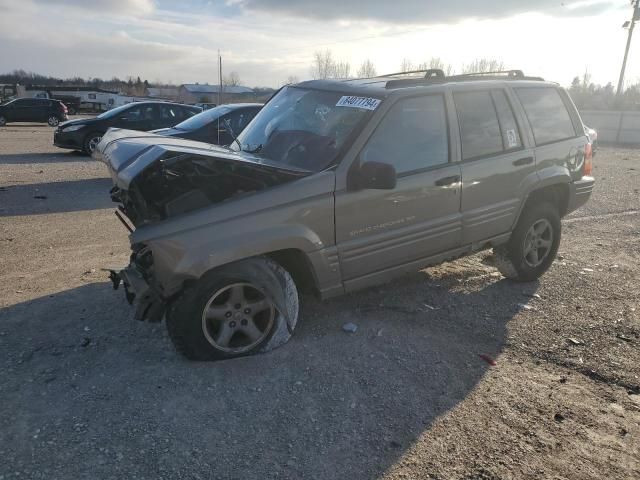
(428, 73)
(438, 76)
(508, 73)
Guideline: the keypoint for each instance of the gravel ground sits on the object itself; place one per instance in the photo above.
(86, 392)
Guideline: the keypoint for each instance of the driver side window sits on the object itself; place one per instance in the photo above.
(412, 136)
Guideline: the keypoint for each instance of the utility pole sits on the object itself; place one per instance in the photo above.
(220, 76)
(634, 19)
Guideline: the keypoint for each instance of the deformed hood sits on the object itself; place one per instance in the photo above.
(159, 177)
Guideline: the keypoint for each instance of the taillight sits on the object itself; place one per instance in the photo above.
(588, 157)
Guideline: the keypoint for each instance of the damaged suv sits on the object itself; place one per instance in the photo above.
(339, 185)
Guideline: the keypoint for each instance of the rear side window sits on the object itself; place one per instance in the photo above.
(188, 113)
(508, 125)
(412, 135)
(547, 114)
(479, 126)
(169, 112)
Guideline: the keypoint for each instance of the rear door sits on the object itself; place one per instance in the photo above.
(169, 116)
(557, 131)
(497, 164)
(380, 232)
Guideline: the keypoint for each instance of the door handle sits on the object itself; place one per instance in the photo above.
(523, 161)
(446, 181)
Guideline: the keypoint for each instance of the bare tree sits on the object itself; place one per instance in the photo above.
(437, 62)
(341, 70)
(406, 65)
(323, 65)
(367, 69)
(480, 65)
(231, 80)
(292, 79)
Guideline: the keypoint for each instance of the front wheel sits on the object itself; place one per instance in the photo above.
(91, 141)
(3, 120)
(533, 245)
(53, 121)
(244, 308)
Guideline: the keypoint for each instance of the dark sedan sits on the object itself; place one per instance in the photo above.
(85, 134)
(215, 125)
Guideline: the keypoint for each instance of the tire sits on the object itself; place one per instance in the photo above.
(3, 120)
(71, 110)
(53, 121)
(91, 142)
(204, 323)
(539, 229)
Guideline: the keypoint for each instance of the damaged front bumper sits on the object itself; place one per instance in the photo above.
(149, 304)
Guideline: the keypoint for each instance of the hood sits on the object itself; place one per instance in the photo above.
(78, 121)
(169, 132)
(158, 177)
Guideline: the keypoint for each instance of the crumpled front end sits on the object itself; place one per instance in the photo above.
(164, 182)
(140, 285)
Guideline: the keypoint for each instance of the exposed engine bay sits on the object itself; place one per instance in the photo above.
(184, 182)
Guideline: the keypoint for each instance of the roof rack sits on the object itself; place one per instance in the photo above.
(436, 75)
(428, 73)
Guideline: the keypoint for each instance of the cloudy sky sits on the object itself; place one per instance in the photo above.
(266, 41)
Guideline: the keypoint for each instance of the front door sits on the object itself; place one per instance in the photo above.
(20, 110)
(138, 117)
(382, 232)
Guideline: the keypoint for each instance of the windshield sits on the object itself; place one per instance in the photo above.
(114, 111)
(304, 128)
(202, 119)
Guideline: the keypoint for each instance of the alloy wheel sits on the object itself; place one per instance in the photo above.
(538, 242)
(93, 143)
(237, 318)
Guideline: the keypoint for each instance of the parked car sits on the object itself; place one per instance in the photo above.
(40, 110)
(206, 106)
(71, 102)
(593, 137)
(339, 185)
(219, 125)
(84, 134)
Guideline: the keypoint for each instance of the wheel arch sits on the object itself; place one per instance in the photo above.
(555, 192)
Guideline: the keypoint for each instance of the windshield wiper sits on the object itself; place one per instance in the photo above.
(255, 150)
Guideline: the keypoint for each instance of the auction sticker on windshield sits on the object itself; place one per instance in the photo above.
(365, 103)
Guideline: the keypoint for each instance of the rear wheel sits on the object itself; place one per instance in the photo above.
(53, 121)
(3, 120)
(232, 311)
(91, 141)
(533, 245)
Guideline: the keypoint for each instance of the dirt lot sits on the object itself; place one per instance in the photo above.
(87, 392)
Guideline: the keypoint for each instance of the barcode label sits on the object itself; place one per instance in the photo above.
(365, 103)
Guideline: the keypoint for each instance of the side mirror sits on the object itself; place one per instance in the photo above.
(377, 175)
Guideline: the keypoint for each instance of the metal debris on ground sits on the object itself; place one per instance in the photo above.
(488, 359)
(350, 327)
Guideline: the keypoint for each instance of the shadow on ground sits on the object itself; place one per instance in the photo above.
(88, 392)
(55, 197)
(43, 158)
